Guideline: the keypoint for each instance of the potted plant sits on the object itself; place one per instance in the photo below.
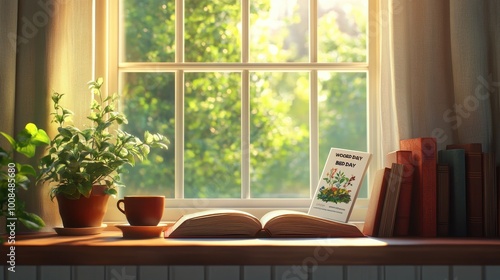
(85, 164)
(15, 176)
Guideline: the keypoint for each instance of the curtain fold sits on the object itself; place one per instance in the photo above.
(8, 45)
(440, 71)
(48, 47)
(469, 35)
(492, 8)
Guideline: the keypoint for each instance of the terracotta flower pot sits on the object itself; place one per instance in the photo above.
(84, 212)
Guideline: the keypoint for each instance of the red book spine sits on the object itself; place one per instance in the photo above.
(424, 159)
(473, 186)
(402, 224)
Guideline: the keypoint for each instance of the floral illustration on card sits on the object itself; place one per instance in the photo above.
(336, 190)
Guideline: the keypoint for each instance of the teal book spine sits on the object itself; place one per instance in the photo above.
(455, 159)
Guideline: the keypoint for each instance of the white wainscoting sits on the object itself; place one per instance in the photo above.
(251, 273)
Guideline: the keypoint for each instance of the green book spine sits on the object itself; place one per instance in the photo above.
(455, 159)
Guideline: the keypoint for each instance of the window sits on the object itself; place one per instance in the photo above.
(251, 93)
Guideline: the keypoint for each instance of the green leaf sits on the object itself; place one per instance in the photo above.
(9, 138)
(148, 137)
(30, 220)
(111, 191)
(4, 157)
(67, 113)
(99, 81)
(28, 150)
(22, 181)
(26, 169)
(145, 150)
(68, 191)
(41, 138)
(95, 105)
(65, 132)
(85, 188)
(31, 129)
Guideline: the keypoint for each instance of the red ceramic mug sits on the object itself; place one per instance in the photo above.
(142, 210)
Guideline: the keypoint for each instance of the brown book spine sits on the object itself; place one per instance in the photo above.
(402, 224)
(424, 159)
(489, 196)
(473, 186)
(498, 198)
(376, 204)
(388, 217)
(443, 199)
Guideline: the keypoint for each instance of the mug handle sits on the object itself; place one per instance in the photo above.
(118, 205)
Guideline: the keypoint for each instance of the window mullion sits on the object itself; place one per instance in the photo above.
(245, 101)
(179, 134)
(179, 100)
(245, 31)
(245, 134)
(313, 31)
(313, 98)
(313, 131)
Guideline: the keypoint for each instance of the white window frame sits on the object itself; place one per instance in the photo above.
(107, 64)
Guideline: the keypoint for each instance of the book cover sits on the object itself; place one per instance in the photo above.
(376, 203)
(423, 211)
(473, 186)
(402, 224)
(339, 184)
(455, 159)
(388, 218)
(443, 200)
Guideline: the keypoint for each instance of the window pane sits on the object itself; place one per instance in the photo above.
(279, 31)
(342, 105)
(148, 102)
(212, 31)
(212, 135)
(342, 26)
(279, 134)
(147, 30)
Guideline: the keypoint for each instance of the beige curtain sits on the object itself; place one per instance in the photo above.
(8, 33)
(46, 45)
(439, 70)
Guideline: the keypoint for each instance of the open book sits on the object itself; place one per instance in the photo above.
(278, 223)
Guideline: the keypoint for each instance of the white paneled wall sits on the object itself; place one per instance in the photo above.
(251, 273)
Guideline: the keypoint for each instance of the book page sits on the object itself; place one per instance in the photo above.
(278, 213)
(215, 223)
(290, 223)
(339, 184)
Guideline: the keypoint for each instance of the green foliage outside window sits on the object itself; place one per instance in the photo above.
(279, 101)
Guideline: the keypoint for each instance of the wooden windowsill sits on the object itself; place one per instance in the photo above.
(109, 248)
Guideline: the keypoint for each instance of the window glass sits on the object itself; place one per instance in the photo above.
(294, 112)
(279, 31)
(342, 109)
(279, 134)
(147, 30)
(212, 31)
(148, 102)
(342, 30)
(212, 153)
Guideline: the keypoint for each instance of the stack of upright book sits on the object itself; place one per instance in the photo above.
(429, 193)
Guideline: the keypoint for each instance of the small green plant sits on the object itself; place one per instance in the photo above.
(15, 176)
(78, 159)
(336, 191)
